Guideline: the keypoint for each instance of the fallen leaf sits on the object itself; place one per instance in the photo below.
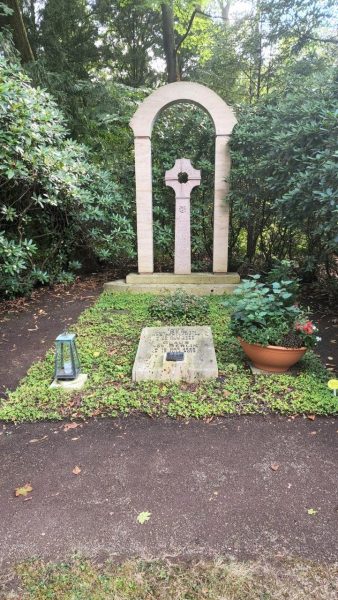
(97, 353)
(274, 466)
(24, 490)
(311, 417)
(143, 517)
(70, 426)
(38, 439)
(312, 511)
(76, 470)
(226, 393)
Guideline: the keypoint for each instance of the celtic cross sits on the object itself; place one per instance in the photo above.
(182, 178)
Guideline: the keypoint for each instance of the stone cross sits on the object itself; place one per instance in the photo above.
(182, 178)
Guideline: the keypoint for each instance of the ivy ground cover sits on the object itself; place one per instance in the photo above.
(108, 335)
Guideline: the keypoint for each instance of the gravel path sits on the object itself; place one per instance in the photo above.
(238, 486)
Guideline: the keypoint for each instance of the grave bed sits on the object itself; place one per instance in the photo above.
(108, 337)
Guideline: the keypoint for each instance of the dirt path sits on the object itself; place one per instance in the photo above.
(328, 347)
(241, 487)
(29, 326)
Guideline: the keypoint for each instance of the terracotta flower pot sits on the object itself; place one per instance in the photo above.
(275, 359)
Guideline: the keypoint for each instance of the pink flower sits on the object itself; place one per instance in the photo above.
(307, 328)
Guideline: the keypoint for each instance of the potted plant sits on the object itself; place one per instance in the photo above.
(273, 331)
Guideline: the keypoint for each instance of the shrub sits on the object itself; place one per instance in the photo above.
(179, 307)
(55, 204)
(266, 314)
(284, 177)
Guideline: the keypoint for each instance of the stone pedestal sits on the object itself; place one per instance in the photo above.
(70, 384)
(200, 284)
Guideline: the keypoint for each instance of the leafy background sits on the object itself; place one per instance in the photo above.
(67, 192)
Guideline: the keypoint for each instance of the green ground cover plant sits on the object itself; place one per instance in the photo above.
(108, 335)
(202, 580)
(180, 307)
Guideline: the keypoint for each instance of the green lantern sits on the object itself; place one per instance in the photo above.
(67, 362)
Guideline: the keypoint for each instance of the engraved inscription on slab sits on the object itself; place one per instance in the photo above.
(157, 346)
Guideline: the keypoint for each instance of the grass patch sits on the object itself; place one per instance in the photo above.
(108, 335)
(140, 580)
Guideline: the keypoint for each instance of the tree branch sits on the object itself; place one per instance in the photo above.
(323, 40)
(183, 37)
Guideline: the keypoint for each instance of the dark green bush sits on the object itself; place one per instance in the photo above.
(55, 204)
(284, 177)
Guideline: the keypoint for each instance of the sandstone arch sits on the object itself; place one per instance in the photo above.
(142, 125)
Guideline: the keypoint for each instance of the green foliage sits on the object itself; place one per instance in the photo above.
(108, 336)
(67, 35)
(54, 201)
(131, 32)
(96, 59)
(284, 178)
(283, 270)
(179, 308)
(265, 314)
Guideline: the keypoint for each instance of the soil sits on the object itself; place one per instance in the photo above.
(327, 348)
(238, 487)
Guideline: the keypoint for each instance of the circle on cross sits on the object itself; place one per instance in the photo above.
(183, 177)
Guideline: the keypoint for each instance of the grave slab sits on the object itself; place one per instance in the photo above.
(196, 343)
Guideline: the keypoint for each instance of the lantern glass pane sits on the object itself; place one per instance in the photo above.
(76, 358)
(64, 363)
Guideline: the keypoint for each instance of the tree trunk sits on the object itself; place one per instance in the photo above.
(16, 24)
(225, 9)
(251, 240)
(169, 41)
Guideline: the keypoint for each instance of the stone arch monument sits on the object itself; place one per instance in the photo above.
(142, 124)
